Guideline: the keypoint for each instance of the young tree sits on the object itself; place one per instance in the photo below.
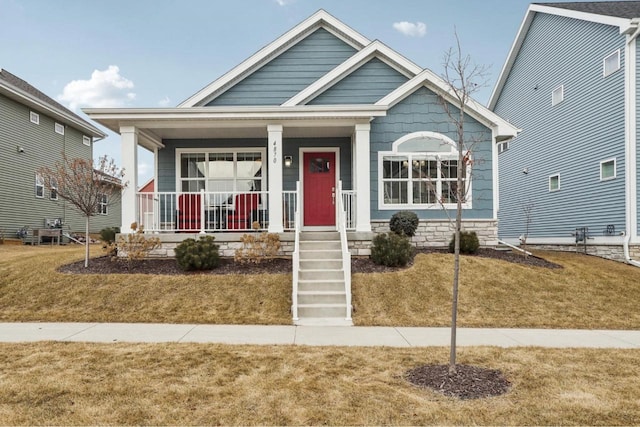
(85, 185)
(527, 210)
(462, 78)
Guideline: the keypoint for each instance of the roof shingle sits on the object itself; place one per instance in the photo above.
(618, 9)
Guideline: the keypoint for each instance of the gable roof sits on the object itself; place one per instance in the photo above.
(320, 19)
(622, 14)
(16, 88)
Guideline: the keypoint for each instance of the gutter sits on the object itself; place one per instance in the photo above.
(632, 32)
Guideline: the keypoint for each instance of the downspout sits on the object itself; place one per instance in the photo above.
(630, 151)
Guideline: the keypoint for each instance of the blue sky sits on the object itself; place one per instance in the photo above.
(153, 53)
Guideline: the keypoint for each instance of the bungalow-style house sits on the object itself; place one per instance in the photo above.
(321, 135)
(571, 176)
(35, 131)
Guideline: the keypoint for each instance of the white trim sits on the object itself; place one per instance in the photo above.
(435, 83)
(558, 91)
(422, 134)
(319, 19)
(555, 175)
(615, 173)
(630, 152)
(615, 21)
(374, 49)
(58, 128)
(604, 63)
(86, 140)
(301, 151)
(34, 117)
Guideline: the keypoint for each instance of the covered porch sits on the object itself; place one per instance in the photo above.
(246, 168)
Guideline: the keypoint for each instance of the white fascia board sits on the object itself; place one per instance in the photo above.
(501, 127)
(318, 19)
(31, 101)
(624, 24)
(374, 49)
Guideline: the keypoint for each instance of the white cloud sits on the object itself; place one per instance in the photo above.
(164, 102)
(419, 29)
(285, 2)
(105, 89)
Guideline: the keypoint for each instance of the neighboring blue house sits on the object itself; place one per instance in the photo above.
(570, 83)
(319, 118)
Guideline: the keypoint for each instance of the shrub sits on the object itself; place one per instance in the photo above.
(108, 237)
(469, 243)
(135, 246)
(255, 248)
(404, 222)
(199, 254)
(391, 249)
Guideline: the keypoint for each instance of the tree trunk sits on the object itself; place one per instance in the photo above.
(86, 243)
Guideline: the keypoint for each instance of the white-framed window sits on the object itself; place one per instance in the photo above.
(611, 63)
(53, 194)
(557, 95)
(554, 182)
(39, 186)
(421, 172)
(34, 117)
(86, 140)
(221, 170)
(103, 202)
(503, 146)
(607, 169)
(59, 128)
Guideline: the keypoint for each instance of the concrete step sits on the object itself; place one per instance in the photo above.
(320, 275)
(322, 310)
(320, 254)
(311, 245)
(320, 235)
(321, 285)
(321, 297)
(320, 264)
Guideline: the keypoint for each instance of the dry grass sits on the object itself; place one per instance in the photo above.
(31, 290)
(90, 384)
(588, 292)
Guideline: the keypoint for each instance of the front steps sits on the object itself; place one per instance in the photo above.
(322, 300)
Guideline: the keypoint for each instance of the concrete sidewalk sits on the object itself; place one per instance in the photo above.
(314, 335)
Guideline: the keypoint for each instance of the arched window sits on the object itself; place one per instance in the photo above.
(420, 172)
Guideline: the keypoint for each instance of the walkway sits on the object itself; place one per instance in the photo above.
(314, 335)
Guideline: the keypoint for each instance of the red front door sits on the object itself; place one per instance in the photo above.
(319, 181)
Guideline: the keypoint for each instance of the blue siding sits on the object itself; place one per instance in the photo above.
(366, 85)
(570, 138)
(422, 111)
(638, 133)
(290, 72)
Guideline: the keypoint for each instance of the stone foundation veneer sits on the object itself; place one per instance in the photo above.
(612, 251)
(430, 233)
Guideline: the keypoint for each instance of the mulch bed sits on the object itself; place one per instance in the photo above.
(468, 382)
(107, 265)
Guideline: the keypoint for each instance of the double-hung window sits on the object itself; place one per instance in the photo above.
(53, 194)
(103, 203)
(39, 186)
(421, 172)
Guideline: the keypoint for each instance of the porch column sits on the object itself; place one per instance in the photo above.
(363, 177)
(129, 147)
(274, 159)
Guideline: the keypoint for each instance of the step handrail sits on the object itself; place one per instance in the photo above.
(341, 221)
(296, 257)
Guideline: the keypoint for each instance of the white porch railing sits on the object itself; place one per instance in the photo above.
(341, 222)
(349, 205)
(296, 257)
(204, 212)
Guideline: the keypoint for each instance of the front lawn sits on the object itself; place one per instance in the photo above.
(588, 292)
(196, 384)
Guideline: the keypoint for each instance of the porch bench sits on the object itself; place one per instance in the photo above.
(52, 233)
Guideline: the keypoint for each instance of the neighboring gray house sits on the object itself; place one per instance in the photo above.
(321, 130)
(34, 132)
(570, 83)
